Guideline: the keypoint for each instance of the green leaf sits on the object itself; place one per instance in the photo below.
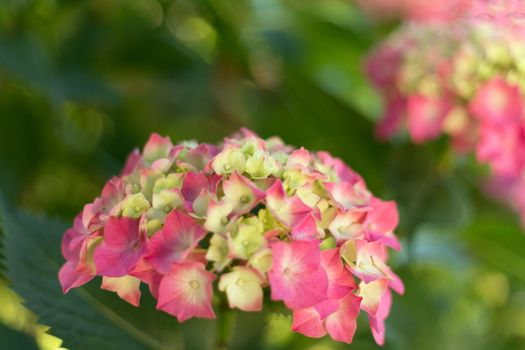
(11, 339)
(81, 318)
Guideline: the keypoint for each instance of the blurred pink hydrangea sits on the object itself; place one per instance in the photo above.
(190, 219)
(465, 80)
(416, 10)
(502, 13)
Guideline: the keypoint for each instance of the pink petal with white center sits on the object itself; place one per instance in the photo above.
(340, 281)
(194, 183)
(126, 287)
(377, 323)
(162, 165)
(308, 322)
(186, 291)
(306, 230)
(219, 218)
(296, 276)
(348, 224)
(498, 146)
(69, 277)
(132, 163)
(289, 210)
(344, 172)
(300, 158)
(372, 294)
(370, 264)
(242, 193)
(157, 147)
(341, 325)
(86, 262)
(123, 246)
(112, 196)
(179, 236)
(347, 195)
(498, 102)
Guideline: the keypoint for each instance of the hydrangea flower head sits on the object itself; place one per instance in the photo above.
(465, 80)
(195, 220)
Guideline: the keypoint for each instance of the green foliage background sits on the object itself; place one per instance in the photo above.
(84, 82)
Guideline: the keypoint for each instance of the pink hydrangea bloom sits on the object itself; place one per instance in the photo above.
(251, 214)
(463, 80)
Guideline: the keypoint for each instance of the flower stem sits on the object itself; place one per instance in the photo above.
(226, 320)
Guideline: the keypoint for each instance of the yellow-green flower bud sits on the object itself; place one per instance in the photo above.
(135, 205)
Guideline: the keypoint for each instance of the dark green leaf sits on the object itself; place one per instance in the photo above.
(11, 339)
(84, 322)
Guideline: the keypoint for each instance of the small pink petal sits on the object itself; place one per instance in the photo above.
(344, 172)
(179, 236)
(300, 157)
(242, 193)
(194, 182)
(341, 325)
(289, 210)
(340, 281)
(377, 323)
(126, 287)
(306, 229)
(348, 195)
(157, 147)
(308, 322)
(69, 277)
(122, 248)
(132, 163)
(147, 274)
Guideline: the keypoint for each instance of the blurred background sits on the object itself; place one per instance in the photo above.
(84, 82)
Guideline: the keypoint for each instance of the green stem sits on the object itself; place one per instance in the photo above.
(226, 320)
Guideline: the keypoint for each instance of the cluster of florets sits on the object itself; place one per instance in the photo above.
(466, 81)
(252, 214)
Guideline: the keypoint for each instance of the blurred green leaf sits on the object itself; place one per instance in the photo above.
(80, 318)
(11, 339)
